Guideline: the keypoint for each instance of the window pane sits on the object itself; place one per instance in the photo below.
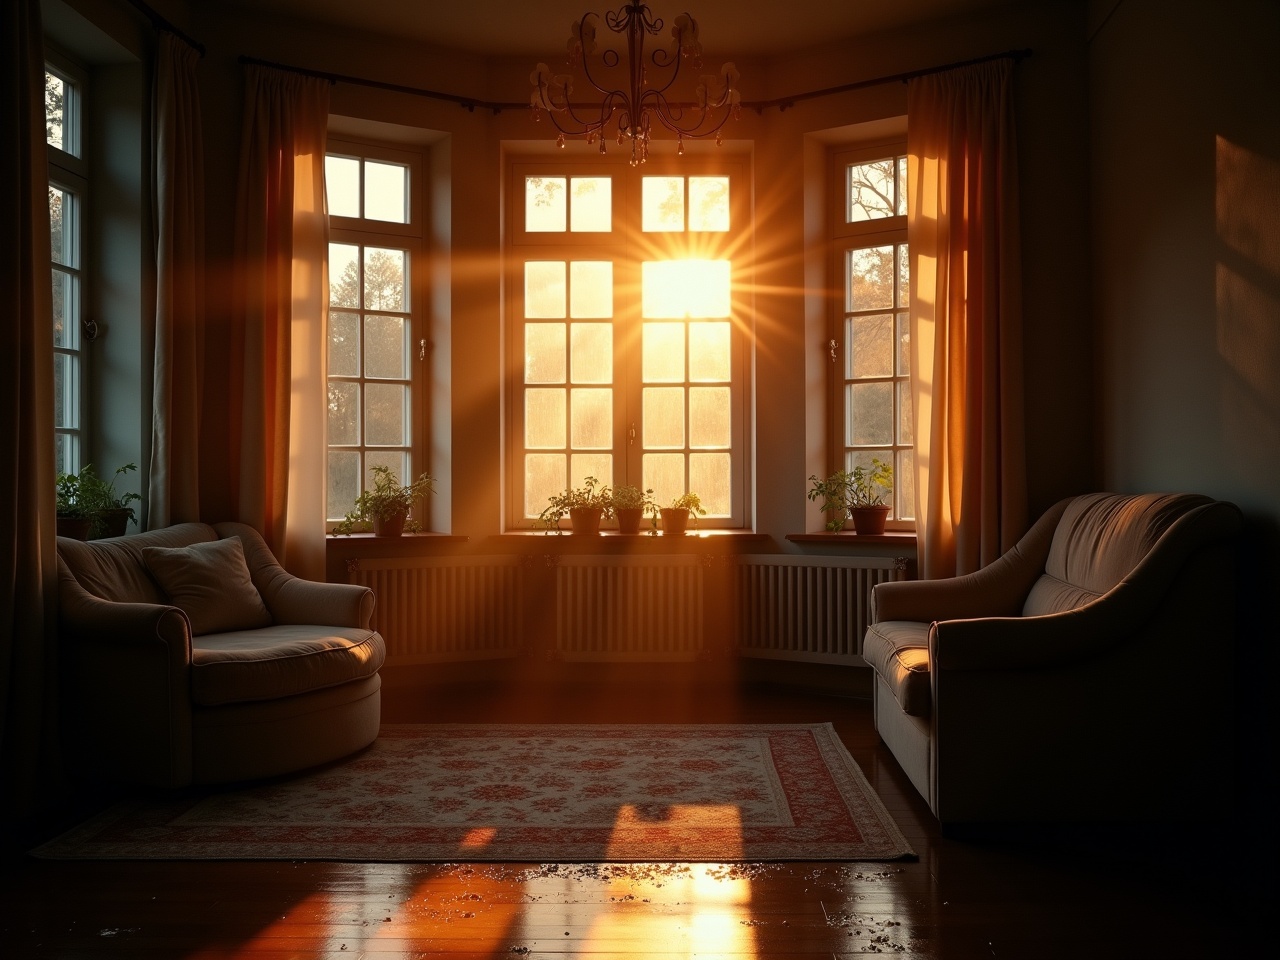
(544, 289)
(544, 418)
(663, 353)
(598, 465)
(66, 453)
(591, 209)
(544, 477)
(685, 288)
(342, 186)
(344, 275)
(663, 415)
(709, 478)
(709, 203)
(55, 93)
(545, 207)
(544, 353)
(663, 473)
(344, 413)
(343, 483)
(709, 417)
(386, 351)
(709, 354)
(904, 344)
(66, 308)
(66, 391)
(871, 279)
(870, 340)
(592, 353)
(386, 192)
(871, 190)
(344, 344)
(904, 275)
(397, 461)
(386, 423)
(906, 435)
(904, 485)
(901, 209)
(868, 414)
(63, 232)
(662, 203)
(591, 426)
(385, 272)
(591, 289)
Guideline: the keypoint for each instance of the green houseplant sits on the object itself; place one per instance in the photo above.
(861, 495)
(89, 507)
(675, 518)
(387, 507)
(585, 506)
(630, 504)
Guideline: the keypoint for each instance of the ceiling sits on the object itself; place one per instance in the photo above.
(538, 27)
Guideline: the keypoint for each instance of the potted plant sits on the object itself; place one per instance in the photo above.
(630, 504)
(861, 494)
(585, 506)
(675, 518)
(89, 507)
(387, 506)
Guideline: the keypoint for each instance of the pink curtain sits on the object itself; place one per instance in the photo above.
(278, 409)
(28, 565)
(174, 486)
(966, 324)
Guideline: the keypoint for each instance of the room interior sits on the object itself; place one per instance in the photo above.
(1148, 160)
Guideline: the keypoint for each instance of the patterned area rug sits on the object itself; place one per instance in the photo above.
(543, 793)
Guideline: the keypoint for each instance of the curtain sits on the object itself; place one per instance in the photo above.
(174, 487)
(28, 568)
(966, 322)
(279, 330)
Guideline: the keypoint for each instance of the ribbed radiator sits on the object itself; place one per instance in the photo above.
(445, 608)
(629, 608)
(813, 609)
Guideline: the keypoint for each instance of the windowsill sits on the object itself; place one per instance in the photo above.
(901, 538)
(421, 535)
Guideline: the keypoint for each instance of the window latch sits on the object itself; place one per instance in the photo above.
(831, 349)
(631, 435)
(422, 349)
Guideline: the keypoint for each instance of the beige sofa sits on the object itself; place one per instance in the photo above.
(1086, 675)
(189, 655)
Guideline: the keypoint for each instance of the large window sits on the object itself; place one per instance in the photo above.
(625, 317)
(870, 336)
(377, 341)
(64, 100)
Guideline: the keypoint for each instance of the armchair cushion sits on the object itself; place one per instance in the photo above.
(898, 651)
(211, 584)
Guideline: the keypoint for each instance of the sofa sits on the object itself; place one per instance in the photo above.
(1084, 676)
(188, 655)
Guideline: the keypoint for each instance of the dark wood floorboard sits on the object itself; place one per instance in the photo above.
(1081, 892)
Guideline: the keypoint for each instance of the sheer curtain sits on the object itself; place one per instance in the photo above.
(966, 327)
(174, 487)
(28, 568)
(279, 331)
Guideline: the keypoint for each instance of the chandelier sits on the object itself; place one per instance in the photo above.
(636, 94)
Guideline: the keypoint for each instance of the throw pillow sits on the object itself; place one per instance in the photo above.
(210, 582)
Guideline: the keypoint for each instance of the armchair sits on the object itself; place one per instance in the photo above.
(1085, 675)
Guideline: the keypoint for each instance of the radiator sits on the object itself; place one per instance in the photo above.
(445, 608)
(629, 608)
(813, 609)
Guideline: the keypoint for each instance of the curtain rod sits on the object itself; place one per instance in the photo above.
(782, 103)
(161, 23)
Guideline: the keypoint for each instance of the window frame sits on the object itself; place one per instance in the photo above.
(627, 247)
(846, 237)
(411, 237)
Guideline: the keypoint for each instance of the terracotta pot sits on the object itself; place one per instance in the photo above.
(75, 528)
(629, 519)
(585, 520)
(675, 521)
(869, 520)
(392, 526)
(112, 523)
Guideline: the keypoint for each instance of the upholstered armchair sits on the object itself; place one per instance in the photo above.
(189, 655)
(1085, 675)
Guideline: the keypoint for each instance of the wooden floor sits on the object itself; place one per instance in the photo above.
(1044, 893)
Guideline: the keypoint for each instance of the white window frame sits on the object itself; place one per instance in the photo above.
(627, 247)
(848, 236)
(410, 237)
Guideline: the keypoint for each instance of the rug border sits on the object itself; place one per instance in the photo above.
(838, 759)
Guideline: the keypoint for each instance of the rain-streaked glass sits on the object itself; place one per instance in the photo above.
(591, 352)
(343, 484)
(386, 349)
(397, 461)
(544, 353)
(598, 465)
(66, 391)
(662, 353)
(709, 352)
(344, 344)
(868, 414)
(544, 290)
(544, 418)
(66, 307)
(386, 421)
(591, 418)
(590, 289)
(546, 207)
(710, 476)
(663, 473)
(544, 477)
(709, 417)
(662, 204)
(663, 416)
(344, 413)
(591, 205)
